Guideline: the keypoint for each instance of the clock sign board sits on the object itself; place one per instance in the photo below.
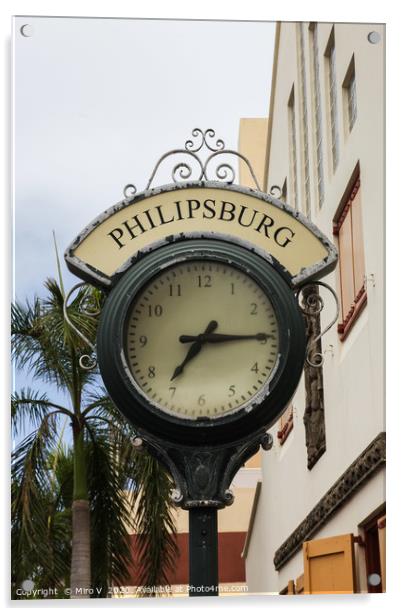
(110, 244)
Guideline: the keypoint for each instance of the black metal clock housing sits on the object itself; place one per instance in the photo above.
(123, 348)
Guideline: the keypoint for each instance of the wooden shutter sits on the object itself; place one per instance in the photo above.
(299, 585)
(291, 587)
(358, 245)
(346, 265)
(329, 565)
(381, 541)
(285, 424)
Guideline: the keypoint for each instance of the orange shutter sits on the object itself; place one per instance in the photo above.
(299, 586)
(329, 565)
(346, 265)
(358, 245)
(381, 541)
(291, 587)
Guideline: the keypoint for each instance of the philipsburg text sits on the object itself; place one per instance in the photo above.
(209, 209)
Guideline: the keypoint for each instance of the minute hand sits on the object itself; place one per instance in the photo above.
(224, 337)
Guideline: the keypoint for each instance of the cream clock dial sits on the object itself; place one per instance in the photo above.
(201, 340)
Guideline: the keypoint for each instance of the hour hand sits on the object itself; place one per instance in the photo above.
(194, 349)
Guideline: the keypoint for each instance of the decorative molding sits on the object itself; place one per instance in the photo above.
(344, 488)
(314, 414)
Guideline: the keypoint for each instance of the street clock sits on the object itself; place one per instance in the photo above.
(201, 342)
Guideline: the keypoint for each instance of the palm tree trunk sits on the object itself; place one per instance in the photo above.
(81, 532)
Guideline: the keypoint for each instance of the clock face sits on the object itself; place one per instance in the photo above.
(201, 340)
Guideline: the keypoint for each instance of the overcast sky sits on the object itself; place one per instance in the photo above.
(97, 101)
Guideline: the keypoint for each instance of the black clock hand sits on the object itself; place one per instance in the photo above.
(194, 349)
(209, 337)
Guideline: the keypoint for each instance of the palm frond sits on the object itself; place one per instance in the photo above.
(42, 551)
(45, 344)
(31, 487)
(29, 408)
(155, 527)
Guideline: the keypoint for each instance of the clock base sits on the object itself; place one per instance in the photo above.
(203, 474)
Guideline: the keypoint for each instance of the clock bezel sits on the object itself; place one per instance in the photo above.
(268, 403)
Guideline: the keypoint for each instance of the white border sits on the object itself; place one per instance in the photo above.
(342, 10)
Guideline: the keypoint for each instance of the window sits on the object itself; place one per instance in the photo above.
(304, 118)
(349, 94)
(292, 148)
(348, 228)
(333, 103)
(317, 112)
(374, 548)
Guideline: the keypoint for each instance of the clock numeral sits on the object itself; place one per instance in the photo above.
(201, 400)
(143, 340)
(253, 308)
(156, 310)
(175, 290)
(254, 368)
(172, 391)
(151, 372)
(204, 281)
(232, 390)
(232, 288)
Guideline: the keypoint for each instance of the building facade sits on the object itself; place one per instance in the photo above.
(318, 522)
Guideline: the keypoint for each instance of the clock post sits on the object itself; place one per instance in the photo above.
(203, 551)
(201, 341)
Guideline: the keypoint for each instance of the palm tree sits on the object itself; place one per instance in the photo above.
(109, 477)
(45, 562)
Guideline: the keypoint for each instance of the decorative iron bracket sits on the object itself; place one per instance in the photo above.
(86, 361)
(183, 171)
(313, 306)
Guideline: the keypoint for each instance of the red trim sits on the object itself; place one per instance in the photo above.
(359, 302)
(284, 432)
(381, 523)
(340, 219)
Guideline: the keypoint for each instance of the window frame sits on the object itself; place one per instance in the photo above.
(330, 55)
(350, 96)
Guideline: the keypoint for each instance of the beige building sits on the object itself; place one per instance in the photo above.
(318, 522)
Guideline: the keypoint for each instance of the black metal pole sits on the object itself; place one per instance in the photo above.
(203, 551)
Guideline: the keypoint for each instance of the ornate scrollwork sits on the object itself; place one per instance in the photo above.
(276, 191)
(87, 307)
(183, 171)
(313, 304)
(197, 132)
(129, 191)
